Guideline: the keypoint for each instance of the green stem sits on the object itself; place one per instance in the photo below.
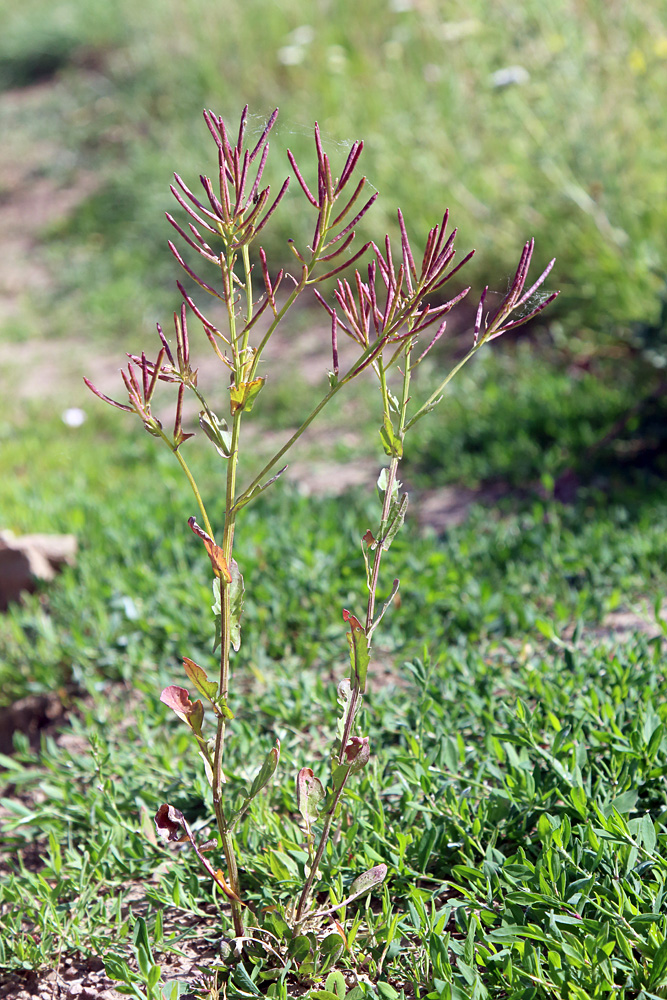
(191, 480)
(326, 829)
(432, 399)
(355, 694)
(223, 687)
(349, 375)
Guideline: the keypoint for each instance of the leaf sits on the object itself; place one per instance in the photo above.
(242, 396)
(197, 675)
(258, 488)
(221, 882)
(359, 652)
(394, 522)
(168, 822)
(339, 776)
(394, 591)
(243, 982)
(387, 991)
(579, 801)
(368, 880)
(331, 949)
(299, 948)
(309, 794)
(266, 771)
(648, 834)
(336, 984)
(236, 592)
(178, 700)
(358, 753)
(659, 968)
(217, 431)
(382, 481)
(215, 554)
(393, 446)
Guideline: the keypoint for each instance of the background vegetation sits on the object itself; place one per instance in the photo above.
(526, 840)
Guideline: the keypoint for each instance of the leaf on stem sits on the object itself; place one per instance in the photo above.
(178, 700)
(266, 771)
(217, 431)
(258, 488)
(242, 397)
(209, 689)
(215, 554)
(393, 446)
(358, 753)
(394, 591)
(236, 594)
(309, 793)
(168, 823)
(359, 652)
(394, 521)
(367, 881)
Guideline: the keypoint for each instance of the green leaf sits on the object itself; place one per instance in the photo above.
(243, 396)
(387, 991)
(648, 835)
(331, 949)
(198, 676)
(336, 984)
(579, 801)
(299, 948)
(655, 741)
(309, 794)
(359, 652)
(339, 775)
(266, 772)
(368, 880)
(217, 431)
(154, 976)
(236, 592)
(394, 522)
(243, 982)
(393, 446)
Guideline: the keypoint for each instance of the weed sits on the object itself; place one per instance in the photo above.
(384, 317)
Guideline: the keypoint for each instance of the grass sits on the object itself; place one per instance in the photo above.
(513, 761)
(517, 786)
(571, 154)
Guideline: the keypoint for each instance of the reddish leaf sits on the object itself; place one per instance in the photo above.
(354, 622)
(215, 553)
(169, 821)
(226, 888)
(178, 700)
(358, 753)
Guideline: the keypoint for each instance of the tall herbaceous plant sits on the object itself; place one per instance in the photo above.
(393, 310)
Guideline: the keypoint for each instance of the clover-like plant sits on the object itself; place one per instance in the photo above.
(387, 313)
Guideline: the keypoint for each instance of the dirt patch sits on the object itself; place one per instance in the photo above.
(32, 195)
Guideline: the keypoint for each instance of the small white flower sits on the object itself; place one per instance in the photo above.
(291, 55)
(73, 416)
(509, 75)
